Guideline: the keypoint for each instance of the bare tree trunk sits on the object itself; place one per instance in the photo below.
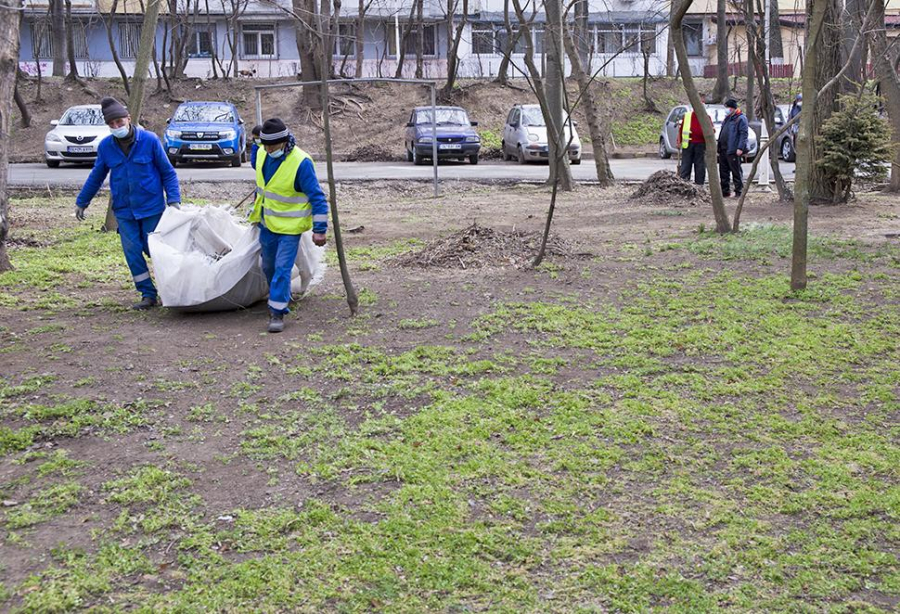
(776, 44)
(23, 108)
(352, 297)
(670, 45)
(583, 34)
(407, 30)
(556, 83)
(40, 81)
(721, 90)
(828, 64)
(750, 106)
(310, 50)
(512, 39)
(420, 39)
(58, 44)
(890, 86)
(70, 43)
(108, 22)
(10, 18)
(851, 21)
(598, 137)
(453, 43)
(360, 36)
(723, 224)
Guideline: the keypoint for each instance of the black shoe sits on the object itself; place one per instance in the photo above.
(148, 302)
(276, 322)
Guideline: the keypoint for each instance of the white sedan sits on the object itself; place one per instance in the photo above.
(75, 136)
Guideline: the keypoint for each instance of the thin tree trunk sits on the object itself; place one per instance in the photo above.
(555, 84)
(721, 90)
(70, 43)
(10, 18)
(309, 49)
(598, 137)
(40, 81)
(512, 39)
(583, 34)
(407, 29)
(23, 108)
(776, 44)
(723, 224)
(420, 39)
(58, 33)
(453, 43)
(108, 22)
(890, 86)
(352, 297)
(670, 45)
(360, 37)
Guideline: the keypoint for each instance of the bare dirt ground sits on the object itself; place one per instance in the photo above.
(202, 389)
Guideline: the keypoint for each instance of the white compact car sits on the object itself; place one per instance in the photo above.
(525, 136)
(75, 136)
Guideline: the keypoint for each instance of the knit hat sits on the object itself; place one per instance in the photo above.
(731, 103)
(113, 109)
(256, 130)
(273, 132)
(799, 96)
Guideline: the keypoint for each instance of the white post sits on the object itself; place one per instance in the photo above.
(764, 128)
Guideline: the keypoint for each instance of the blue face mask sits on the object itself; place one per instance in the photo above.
(120, 133)
(277, 154)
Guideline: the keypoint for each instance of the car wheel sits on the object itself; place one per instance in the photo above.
(473, 159)
(173, 160)
(409, 155)
(236, 162)
(576, 161)
(52, 163)
(417, 159)
(504, 153)
(663, 150)
(787, 150)
(521, 155)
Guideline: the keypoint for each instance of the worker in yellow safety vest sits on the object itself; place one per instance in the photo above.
(693, 147)
(289, 202)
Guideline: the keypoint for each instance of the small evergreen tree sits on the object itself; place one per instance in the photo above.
(856, 145)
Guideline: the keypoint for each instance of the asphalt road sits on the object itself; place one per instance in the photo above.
(635, 169)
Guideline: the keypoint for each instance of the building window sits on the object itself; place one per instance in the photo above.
(626, 38)
(483, 39)
(129, 39)
(693, 38)
(429, 48)
(202, 42)
(345, 41)
(521, 43)
(259, 41)
(42, 40)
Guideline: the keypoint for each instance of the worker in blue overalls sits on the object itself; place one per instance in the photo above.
(289, 202)
(139, 172)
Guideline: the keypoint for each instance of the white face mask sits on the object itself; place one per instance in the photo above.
(120, 133)
(277, 154)
(729, 111)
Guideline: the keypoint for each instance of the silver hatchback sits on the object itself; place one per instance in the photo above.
(525, 136)
(75, 136)
(668, 136)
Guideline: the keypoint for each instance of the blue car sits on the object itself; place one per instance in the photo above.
(456, 137)
(212, 131)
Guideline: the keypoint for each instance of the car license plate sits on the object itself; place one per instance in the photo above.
(451, 146)
(80, 149)
(201, 146)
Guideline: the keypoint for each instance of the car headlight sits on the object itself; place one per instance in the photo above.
(425, 139)
(173, 134)
(473, 139)
(533, 137)
(53, 138)
(227, 135)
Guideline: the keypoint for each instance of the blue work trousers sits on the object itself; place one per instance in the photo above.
(278, 255)
(133, 234)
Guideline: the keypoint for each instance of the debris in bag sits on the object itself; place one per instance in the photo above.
(207, 259)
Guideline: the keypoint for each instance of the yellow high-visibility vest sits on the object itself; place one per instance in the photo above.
(686, 129)
(286, 211)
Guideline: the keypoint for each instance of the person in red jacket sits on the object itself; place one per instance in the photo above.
(693, 147)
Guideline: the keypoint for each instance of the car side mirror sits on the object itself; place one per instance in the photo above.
(169, 121)
(410, 125)
(473, 123)
(240, 121)
(54, 122)
(574, 123)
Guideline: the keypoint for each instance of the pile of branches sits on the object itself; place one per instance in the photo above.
(477, 247)
(668, 189)
(370, 153)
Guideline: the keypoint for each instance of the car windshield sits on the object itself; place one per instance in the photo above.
(532, 117)
(83, 117)
(207, 113)
(445, 117)
(717, 115)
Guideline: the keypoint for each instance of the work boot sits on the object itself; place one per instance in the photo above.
(147, 302)
(276, 322)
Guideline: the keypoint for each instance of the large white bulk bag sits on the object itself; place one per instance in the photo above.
(206, 259)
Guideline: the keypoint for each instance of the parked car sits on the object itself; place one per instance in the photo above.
(206, 131)
(456, 137)
(668, 136)
(785, 142)
(75, 136)
(525, 136)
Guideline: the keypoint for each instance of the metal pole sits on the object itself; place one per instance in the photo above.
(259, 118)
(434, 143)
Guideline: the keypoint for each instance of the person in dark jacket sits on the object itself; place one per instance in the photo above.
(139, 173)
(732, 145)
(254, 146)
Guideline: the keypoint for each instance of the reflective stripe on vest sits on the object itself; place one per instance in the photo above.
(286, 210)
(686, 129)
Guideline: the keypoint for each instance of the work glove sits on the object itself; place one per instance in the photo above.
(79, 213)
(175, 205)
